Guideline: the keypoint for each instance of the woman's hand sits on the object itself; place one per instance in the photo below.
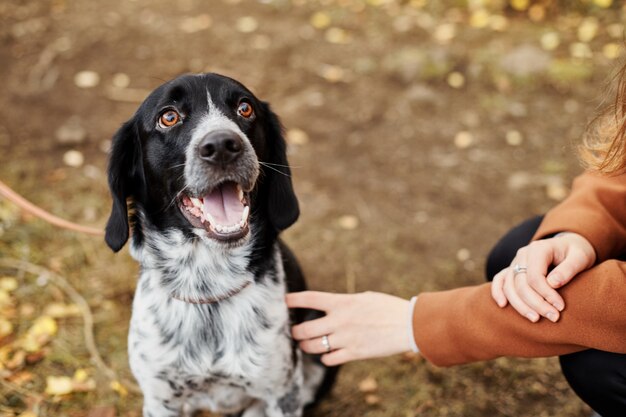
(358, 326)
(530, 291)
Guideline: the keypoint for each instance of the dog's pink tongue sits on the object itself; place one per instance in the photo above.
(223, 205)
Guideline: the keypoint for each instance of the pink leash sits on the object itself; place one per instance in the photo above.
(29, 207)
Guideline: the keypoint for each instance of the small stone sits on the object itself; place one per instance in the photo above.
(320, 20)
(615, 30)
(525, 60)
(196, 23)
(120, 80)
(550, 41)
(514, 138)
(86, 79)
(571, 106)
(261, 42)
(337, 36)
(332, 73)
(556, 191)
(348, 222)
(372, 399)
(445, 33)
(247, 24)
(519, 180)
(580, 50)
(463, 139)
(456, 79)
(71, 132)
(297, 136)
(463, 255)
(479, 19)
(498, 23)
(588, 29)
(612, 50)
(105, 146)
(73, 158)
(537, 13)
(369, 384)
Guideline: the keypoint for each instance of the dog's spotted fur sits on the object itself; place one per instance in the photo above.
(234, 356)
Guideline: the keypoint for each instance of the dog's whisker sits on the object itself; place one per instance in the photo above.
(176, 166)
(176, 197)
(278, 165)
(274, 169)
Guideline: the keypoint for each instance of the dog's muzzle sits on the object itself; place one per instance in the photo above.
(221, 175)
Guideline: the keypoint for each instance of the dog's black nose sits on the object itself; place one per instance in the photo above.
(220, 147)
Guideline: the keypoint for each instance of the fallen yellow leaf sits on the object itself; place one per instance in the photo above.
(119, 388)
(80, 375)
(61, 310)
(44, 325)
(8, 284)
(6, 328)
(58, 385)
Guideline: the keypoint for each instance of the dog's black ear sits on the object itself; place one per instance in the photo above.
(126, 179)
(282, 203)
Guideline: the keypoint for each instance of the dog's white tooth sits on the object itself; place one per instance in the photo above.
(244, 215)
(202, 219)
(240, 191)
(196, 202)
(208, 217)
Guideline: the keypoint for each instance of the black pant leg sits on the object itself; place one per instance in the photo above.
(504, 251)
(599, 378)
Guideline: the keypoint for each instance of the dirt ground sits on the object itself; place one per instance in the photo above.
(419, 132)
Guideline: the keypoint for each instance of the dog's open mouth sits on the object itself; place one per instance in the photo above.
(223, 212)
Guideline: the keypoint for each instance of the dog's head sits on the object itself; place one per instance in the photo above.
(203, 155)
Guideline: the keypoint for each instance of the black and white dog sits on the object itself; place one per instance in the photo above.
(203, 165)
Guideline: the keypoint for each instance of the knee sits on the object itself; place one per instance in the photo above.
(598, 378)
(504, 251)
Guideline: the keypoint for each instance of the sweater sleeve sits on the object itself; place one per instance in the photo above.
(595, 209)
(465, 324)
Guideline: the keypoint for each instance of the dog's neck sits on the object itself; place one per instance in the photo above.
(194, 270)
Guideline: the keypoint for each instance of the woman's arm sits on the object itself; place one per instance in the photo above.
(465, 325)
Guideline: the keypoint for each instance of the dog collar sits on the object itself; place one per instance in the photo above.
(213, 300)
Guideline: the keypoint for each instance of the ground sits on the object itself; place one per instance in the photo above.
(419, 132)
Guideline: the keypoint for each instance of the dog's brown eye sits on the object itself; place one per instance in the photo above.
(245, 110)
(169, 118)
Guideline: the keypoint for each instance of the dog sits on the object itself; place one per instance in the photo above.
(200, 175)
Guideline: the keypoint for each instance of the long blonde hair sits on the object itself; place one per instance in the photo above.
(604, 145)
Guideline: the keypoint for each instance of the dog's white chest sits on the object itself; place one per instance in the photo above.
(217, 355)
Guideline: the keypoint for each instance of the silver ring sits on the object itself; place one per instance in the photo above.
(326, 343)
(519, 269)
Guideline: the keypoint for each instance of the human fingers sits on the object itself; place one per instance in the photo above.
(576, 255)
(515, 301)
(497, 288)
(316, 300)
(533, 300)
(338, 357)
(317, 345)
(312, 329)
(540, 255)
(565, 271)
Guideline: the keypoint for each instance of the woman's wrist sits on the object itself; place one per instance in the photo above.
(412, 345)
